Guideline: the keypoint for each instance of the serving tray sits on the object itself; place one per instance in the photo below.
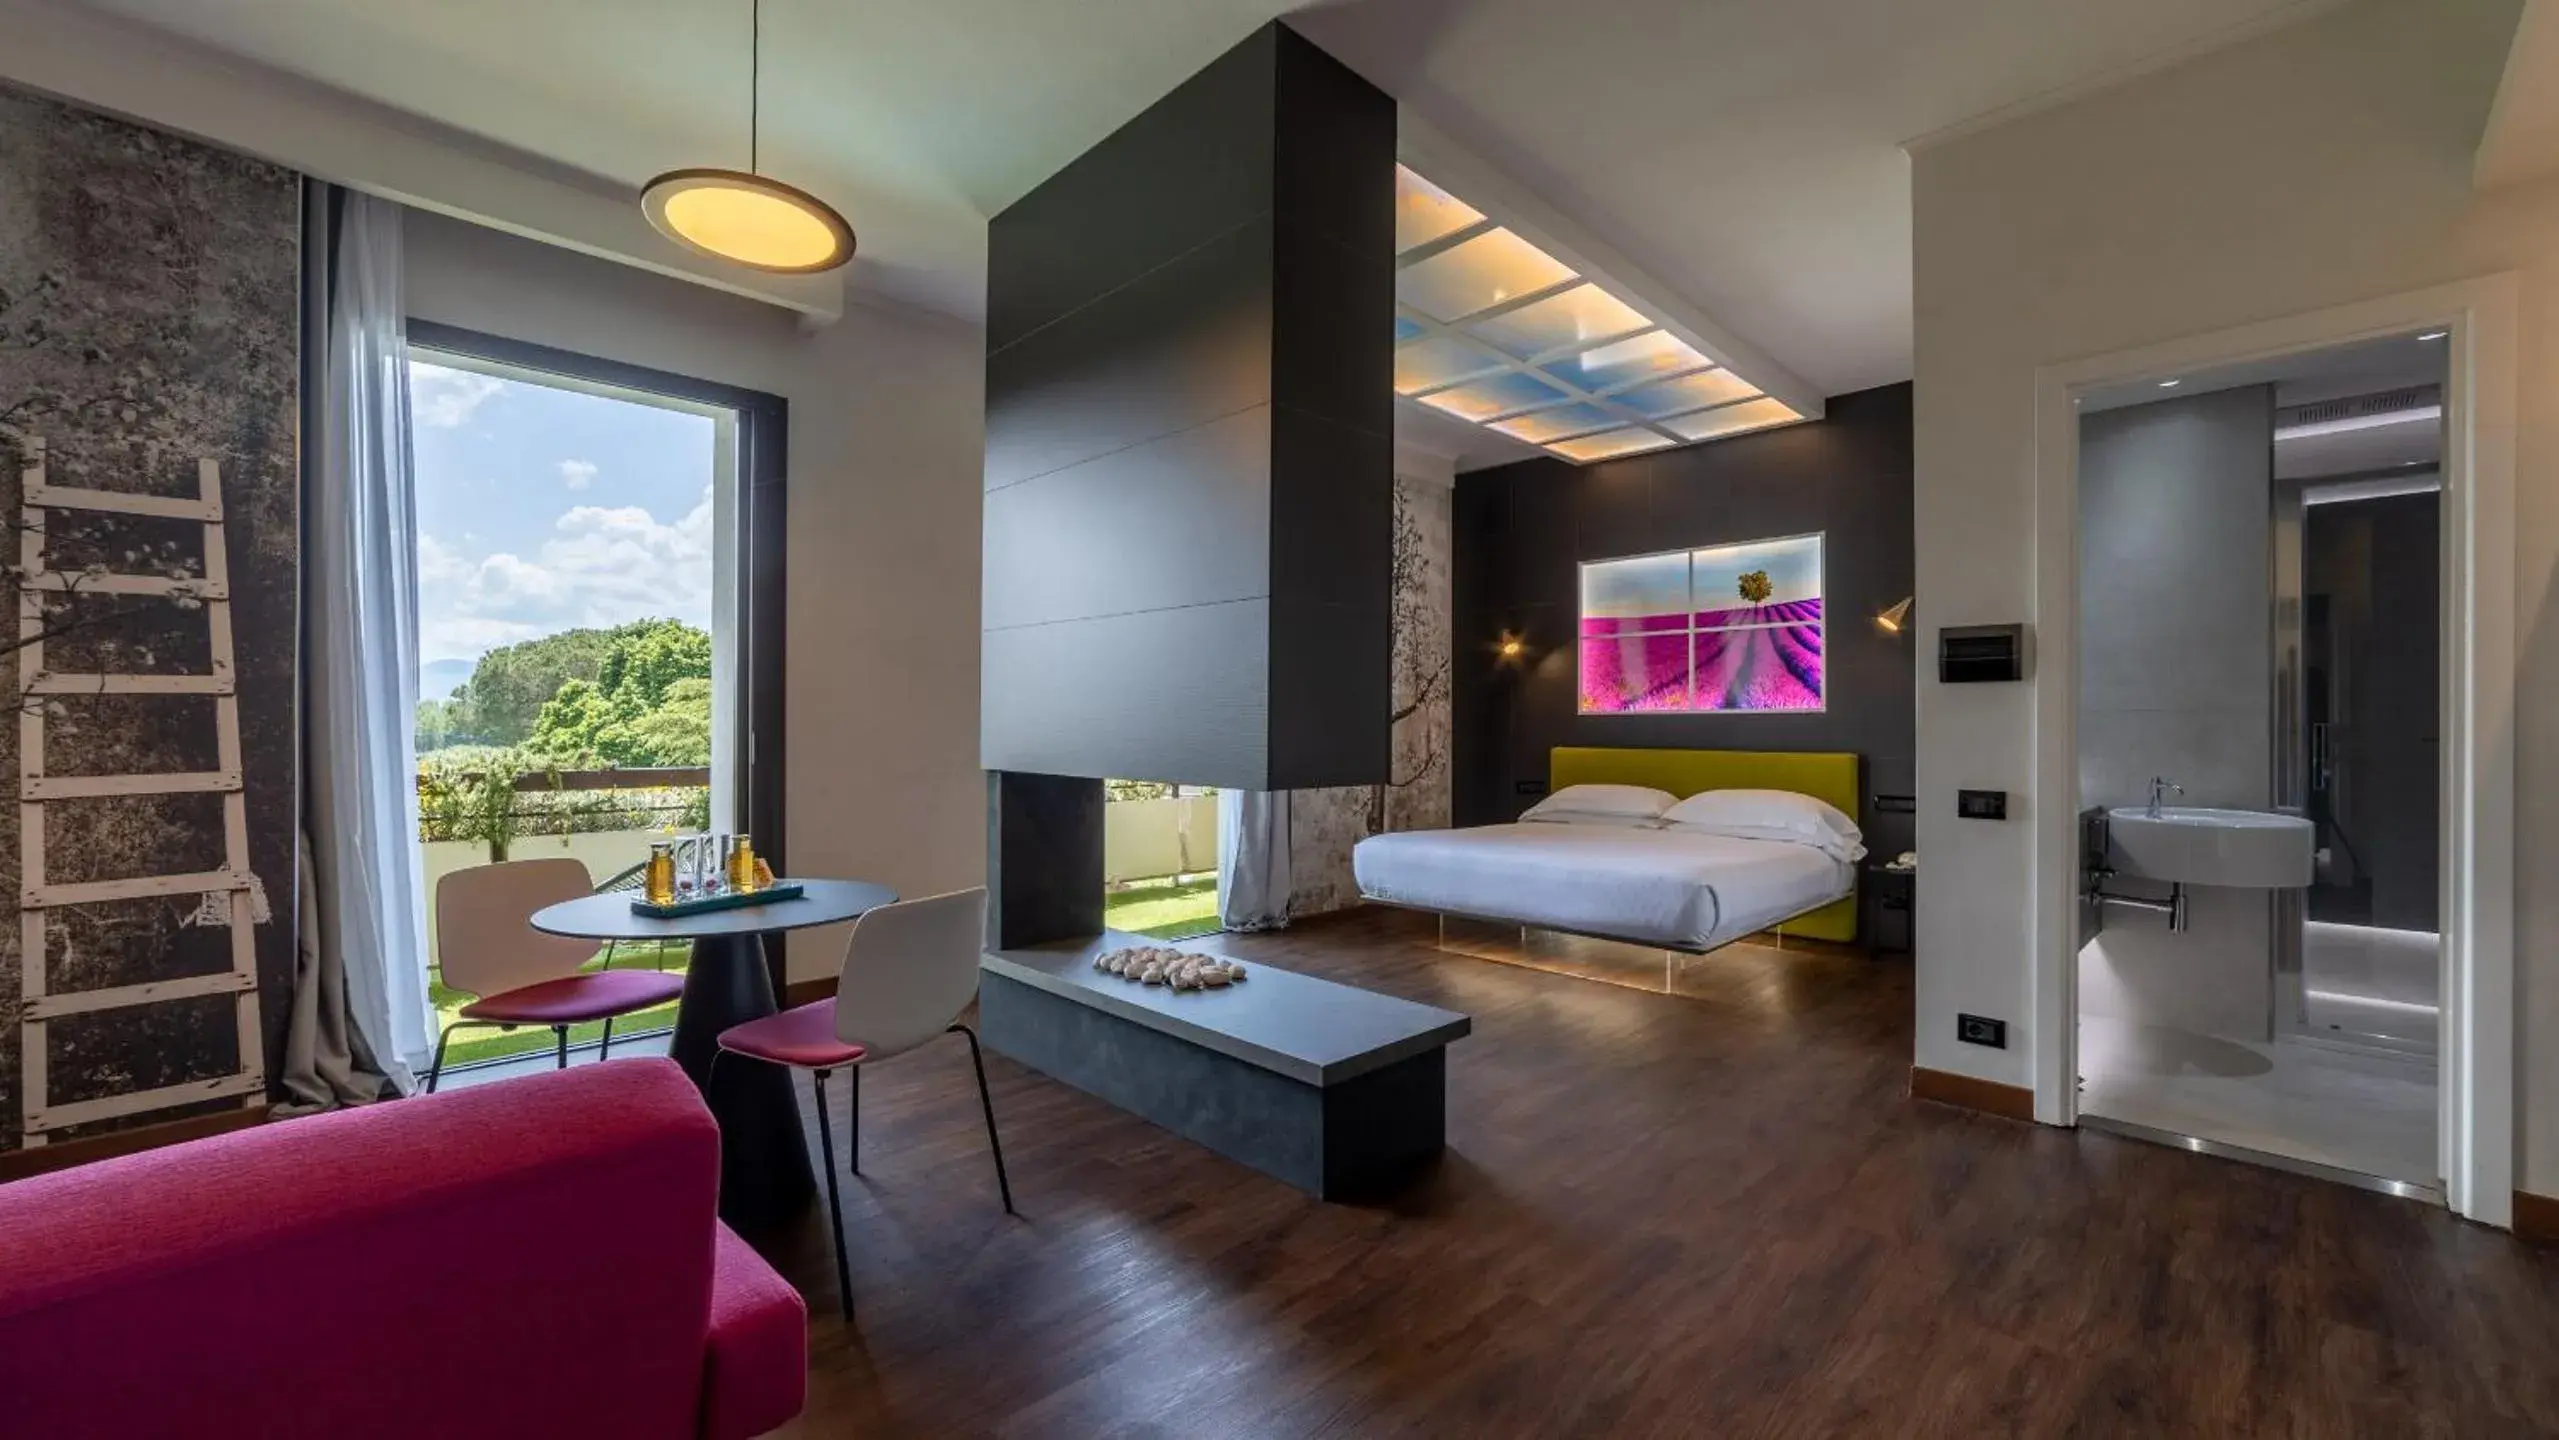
(724, 900)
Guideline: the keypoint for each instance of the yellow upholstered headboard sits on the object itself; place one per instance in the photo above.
(1824, 776)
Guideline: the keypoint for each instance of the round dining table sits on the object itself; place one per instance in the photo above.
(734, 977)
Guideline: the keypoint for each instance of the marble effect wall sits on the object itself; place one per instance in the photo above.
(149, 312)
(1325, 824)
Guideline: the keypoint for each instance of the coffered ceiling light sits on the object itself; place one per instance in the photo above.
(742, 216)
(1493, 330)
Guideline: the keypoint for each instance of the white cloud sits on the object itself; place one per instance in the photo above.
(445, 399)
(600, 565)
(577, 474)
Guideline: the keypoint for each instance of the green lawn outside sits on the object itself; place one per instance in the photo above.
(1171, 909)
(478, 1042)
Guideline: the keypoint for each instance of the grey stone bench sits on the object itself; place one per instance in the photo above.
(1339, 1091)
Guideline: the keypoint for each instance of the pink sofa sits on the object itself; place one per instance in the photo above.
(538, 1258)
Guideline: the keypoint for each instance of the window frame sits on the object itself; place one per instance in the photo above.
(763, 440)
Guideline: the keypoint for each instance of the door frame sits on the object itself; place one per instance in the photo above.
(2476, 789)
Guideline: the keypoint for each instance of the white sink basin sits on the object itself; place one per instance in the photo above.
(2199, 846)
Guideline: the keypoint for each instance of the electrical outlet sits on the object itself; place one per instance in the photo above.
(1982, 1030)
(1982, 804)
(1528, 787)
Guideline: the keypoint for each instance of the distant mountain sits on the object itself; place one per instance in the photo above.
(438, 679)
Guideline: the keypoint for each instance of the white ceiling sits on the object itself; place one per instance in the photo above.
(1745, 151)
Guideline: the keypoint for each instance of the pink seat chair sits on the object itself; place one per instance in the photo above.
(910, 970)
(520, 976)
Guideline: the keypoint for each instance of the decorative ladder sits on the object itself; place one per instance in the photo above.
(37, 896)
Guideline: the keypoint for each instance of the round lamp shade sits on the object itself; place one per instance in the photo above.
(748, 219)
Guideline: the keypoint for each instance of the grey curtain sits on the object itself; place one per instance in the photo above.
(1252, 856)
(328, 1061)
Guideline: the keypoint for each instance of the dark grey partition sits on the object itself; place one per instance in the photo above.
(1189, 438)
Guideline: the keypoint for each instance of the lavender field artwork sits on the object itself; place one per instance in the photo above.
(1730, 627)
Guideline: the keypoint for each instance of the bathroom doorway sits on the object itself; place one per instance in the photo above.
(2260, 707)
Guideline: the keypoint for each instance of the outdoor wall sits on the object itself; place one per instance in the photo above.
(1323, 824)
(149, 295)
(885, 471)
(1151, 839)
(2325, 163)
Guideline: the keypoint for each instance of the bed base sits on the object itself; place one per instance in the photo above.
(1609, 959)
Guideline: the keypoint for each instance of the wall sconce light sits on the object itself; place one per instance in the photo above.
(1894, 617)
(1512, 647)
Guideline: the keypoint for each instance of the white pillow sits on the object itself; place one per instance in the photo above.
(1770, 815)
(1635, 805)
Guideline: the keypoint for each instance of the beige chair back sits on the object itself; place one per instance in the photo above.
(909, 970)
(484, 935)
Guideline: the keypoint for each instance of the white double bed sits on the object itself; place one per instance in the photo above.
(1676, 849)
(1673, 888)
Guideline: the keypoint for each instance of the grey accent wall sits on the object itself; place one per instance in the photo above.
(2176, 678)
(1189, 441)
(1522, 530)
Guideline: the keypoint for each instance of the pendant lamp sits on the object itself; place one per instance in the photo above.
(745, 217)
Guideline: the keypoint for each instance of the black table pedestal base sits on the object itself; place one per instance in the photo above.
(764, 1159)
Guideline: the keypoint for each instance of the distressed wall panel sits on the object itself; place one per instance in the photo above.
(1324, 824)
(149, 293)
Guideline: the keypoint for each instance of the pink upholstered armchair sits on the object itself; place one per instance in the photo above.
(539, 1257)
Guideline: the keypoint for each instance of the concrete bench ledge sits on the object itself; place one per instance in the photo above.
(1316, 1032)
(1337, 1090)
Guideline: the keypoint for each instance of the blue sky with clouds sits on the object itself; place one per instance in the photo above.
(542, 509)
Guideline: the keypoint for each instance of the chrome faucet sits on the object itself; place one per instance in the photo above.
(2160, 785)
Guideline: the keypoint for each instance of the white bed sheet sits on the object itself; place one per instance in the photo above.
(1662, 887)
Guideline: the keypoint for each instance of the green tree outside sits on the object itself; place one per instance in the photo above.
(503, 698)
(649, 703)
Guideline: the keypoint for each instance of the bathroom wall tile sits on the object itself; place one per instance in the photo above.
(2175, 520)
(2220, 756)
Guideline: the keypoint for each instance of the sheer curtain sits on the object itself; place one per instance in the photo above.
(1252, 859)
(360, 657)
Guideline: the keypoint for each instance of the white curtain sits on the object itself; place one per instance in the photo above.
(1252, 859)
(361, 665)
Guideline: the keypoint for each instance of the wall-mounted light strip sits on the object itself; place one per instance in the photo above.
(1495, 331)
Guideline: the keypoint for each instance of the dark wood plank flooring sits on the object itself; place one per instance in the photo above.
(1711, 1215)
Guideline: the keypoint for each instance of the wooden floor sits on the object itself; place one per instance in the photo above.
(1717, 1215)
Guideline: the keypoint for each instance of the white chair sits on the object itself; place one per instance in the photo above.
(910, 970)
(520, 976)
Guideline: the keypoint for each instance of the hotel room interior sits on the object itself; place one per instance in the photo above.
(1328, 638)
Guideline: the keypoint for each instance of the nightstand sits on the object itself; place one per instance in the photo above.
(1895, 892)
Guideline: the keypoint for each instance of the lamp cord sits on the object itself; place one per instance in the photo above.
(754, 85)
